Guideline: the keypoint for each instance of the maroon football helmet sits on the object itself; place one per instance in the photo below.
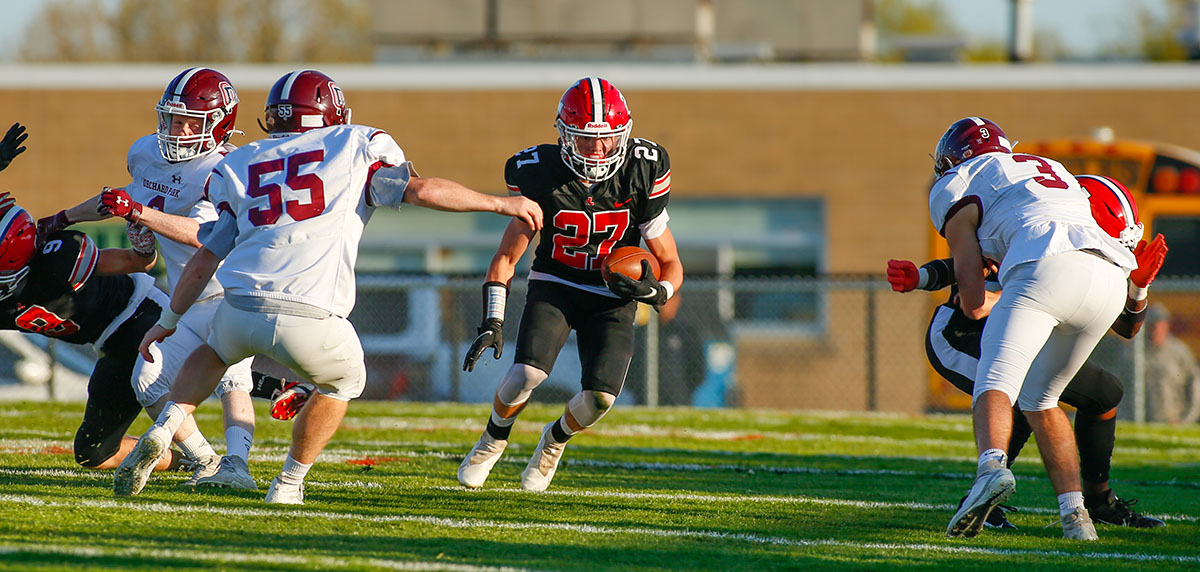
(303, 100)
(966, 138)
(593, 108)
(1114, 209)
(18, 238)
(202, 93)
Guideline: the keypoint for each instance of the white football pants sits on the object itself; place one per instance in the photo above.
(1049, 317)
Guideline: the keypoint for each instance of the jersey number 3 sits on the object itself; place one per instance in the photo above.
(295, 181)
(574, 230)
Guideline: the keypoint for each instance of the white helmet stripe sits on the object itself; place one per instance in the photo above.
(597, 100)
(1126, 206)
(286, 93)
(177, 91)
(977, 120)
(9, 219)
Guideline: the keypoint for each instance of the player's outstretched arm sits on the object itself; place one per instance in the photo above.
(446, 195)
(516, 240)
(1150, 257)
(115, 201)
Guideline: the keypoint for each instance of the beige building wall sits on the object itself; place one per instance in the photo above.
(864, 151)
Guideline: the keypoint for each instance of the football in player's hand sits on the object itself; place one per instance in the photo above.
(627, 260)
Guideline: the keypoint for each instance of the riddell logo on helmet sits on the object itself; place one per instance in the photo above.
(597, 125)
(175, 105)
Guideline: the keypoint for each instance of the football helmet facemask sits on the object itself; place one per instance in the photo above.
(200, 93)
(593, 108)
(966, 138)
(1114, 209)
(303, 100)
(18, 241)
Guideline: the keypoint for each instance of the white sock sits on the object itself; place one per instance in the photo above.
(294, 471)
(238, 441)
(1068, 502)
(172, 417)
(997, 455)
(196, 446)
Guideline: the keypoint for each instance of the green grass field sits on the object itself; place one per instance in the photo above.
(678, 489)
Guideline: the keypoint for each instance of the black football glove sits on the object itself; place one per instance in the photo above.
(10, 145)
(491, 335)
(47, 226)
(648, 290)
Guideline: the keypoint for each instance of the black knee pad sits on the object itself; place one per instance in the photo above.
(1093, 391)
(90, 453)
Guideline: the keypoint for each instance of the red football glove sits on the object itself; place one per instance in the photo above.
(903, 275)
(1150, 260)
(116, 202)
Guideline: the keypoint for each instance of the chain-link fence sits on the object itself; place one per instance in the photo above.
(834, 343)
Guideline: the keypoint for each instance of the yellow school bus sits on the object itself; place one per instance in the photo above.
(1164, 180)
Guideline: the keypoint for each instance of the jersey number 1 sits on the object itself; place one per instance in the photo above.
(295, 181)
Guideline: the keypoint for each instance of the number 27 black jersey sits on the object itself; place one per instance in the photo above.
(586, 222)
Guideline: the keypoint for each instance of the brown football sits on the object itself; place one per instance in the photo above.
(627, 260)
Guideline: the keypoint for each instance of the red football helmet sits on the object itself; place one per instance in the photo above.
(303, 100)
(202, 93)
(1113, 208)
(18, 238)
(593, 108)
(966, 138)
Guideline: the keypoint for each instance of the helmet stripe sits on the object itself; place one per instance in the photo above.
(9, 219)
(286, 93)
(977, 120)
(1126, 205)
(177, 89)
(597, 100)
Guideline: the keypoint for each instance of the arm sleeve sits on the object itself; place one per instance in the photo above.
(221, 236)
(941, 273)
(389, 171)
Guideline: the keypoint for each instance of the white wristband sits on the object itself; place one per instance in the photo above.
(670, 288)
(923, 278)
(168, 319)
(497, 299)
(1137, 292)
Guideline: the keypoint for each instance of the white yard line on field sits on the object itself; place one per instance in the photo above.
(491, 525)
(273, 560)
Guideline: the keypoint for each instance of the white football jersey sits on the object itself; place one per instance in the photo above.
(177, 189)
(1030, 207)
(301, 203)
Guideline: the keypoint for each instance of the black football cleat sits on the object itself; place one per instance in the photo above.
(1119, 512)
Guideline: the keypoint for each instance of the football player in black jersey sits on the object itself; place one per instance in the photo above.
(599, 190)
(952, 344)
(68, 289)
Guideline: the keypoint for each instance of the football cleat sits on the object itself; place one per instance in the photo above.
(1078, 526)
(283, 493)
(202, 468)
(1120, 512)
(290, 400)
(478, 463)
(541, 468)
(993, 485)
(133, 472)
(233, 472)
(998, 518)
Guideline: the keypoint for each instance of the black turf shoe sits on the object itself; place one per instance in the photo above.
(1112, 510)
(997, 518)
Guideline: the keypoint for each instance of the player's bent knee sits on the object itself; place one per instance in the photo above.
(93, 456)
(518, 382)
(587, 407)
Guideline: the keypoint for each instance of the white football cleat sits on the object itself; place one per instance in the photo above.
(993, 485)
(478, 463)
(540, 471)
(283, 493)
(1078, 526)
(233, 473)
(133, 472)
(203, 468)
